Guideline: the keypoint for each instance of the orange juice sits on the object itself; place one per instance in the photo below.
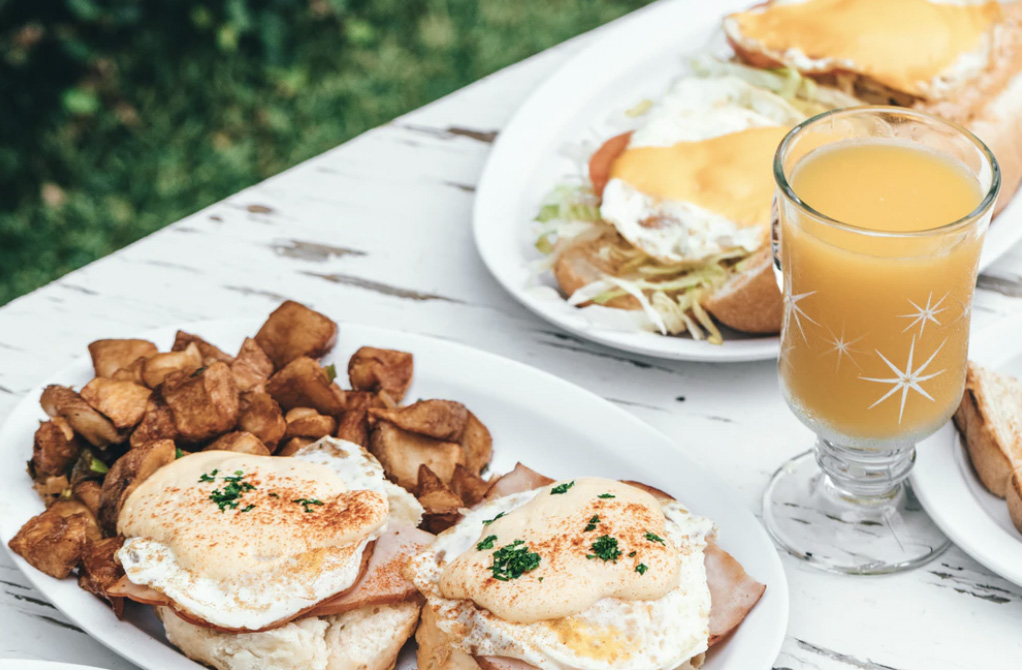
(876, 325)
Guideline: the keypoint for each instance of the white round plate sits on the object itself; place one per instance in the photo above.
(630, 61)
(947, 485)
(554, 427)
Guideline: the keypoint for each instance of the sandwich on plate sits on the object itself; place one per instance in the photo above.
(959, 59)
(275, 562)
(672, 220)
(586, 574)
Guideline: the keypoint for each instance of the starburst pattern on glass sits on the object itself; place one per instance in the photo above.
(842, 346)
(909, 379)
(924, 315)
(792, 311)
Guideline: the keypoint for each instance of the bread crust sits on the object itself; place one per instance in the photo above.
(1013, 495)
(990, 457)
(579, 265)
(750, 301)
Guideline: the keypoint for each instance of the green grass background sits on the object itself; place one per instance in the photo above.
(118, 117)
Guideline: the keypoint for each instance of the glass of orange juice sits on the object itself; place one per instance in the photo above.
(880, 215)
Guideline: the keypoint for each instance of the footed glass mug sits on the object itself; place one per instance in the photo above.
(880, 215)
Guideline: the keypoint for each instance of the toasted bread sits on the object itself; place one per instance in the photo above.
(1013, 495)
(990, 419)
(750, 301)
(579, 264)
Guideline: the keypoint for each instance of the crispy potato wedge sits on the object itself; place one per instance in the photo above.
(204, 404)
(470, 487)
(157, 368)
(442, 419)
(252, 367)
(52, 543)
(80, 415)
(353, 425)
(127, 473)
(440, 503)
(260, 415)
(131, 373)
(122, 402)
(292, 331)
(307, 422)
(401, 453)
(241, 442)
(68, 507)
(372, 369)
(477, 443)
(292, 446)
(209, 352)
(157, 423)
(109, 356)
(54, 448)
(87, 492)
(304, 383)
(100, 570)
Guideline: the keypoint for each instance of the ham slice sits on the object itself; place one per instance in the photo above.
(380, 582)
(733, 593)
(518, 480)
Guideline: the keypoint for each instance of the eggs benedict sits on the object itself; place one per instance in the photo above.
(254, 558)
(588, 573)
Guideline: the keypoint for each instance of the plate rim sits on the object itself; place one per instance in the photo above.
(109, 633)
(492, 201)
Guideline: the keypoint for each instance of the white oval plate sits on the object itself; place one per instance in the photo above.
(553, 426)
(948, 487)
(630, 61)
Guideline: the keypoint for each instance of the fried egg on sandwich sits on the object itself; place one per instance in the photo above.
(250, 557)
(589, 574)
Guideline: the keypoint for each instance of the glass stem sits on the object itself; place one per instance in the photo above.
(865, 475)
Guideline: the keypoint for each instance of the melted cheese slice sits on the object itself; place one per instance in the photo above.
(730, 175)
(899, 43)
(570, 578)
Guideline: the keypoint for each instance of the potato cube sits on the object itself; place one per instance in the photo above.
(372, 369)
(54, 449)
(80, 415)
(204, 404)
(241, 442)
(294, 330)
(52, 543)
(252, 367)
(401, 453)
(304, 383)
(307, 422)
(157, 423)
(109, 356)
(260, 415)
(157, 368)
(122, 402)
(209, 352)
(353, 425)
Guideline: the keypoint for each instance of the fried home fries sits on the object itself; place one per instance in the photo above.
(311, 488)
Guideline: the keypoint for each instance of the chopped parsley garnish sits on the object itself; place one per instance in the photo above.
(561, 488)
(331, 372)
(513, 560)
(229, 496)
(489, 521)
(97, 466)
(487, 543)
(631, 554)
(592, 523)
(605, 496)
(307, 503)
(208, 476)
(605, 548)
(248, 508)
(654, 538)
(178, 453)
(273, 495)
(641, 568)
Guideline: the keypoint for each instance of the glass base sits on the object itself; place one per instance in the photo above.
(835, 531)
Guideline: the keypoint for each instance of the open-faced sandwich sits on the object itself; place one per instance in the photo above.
(672, 219)
(585, 573)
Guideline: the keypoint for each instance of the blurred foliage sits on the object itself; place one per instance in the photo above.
(120, 116)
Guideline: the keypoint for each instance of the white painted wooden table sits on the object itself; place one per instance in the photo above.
(377, 231)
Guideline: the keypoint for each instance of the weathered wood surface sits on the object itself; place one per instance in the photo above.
(377, 231)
